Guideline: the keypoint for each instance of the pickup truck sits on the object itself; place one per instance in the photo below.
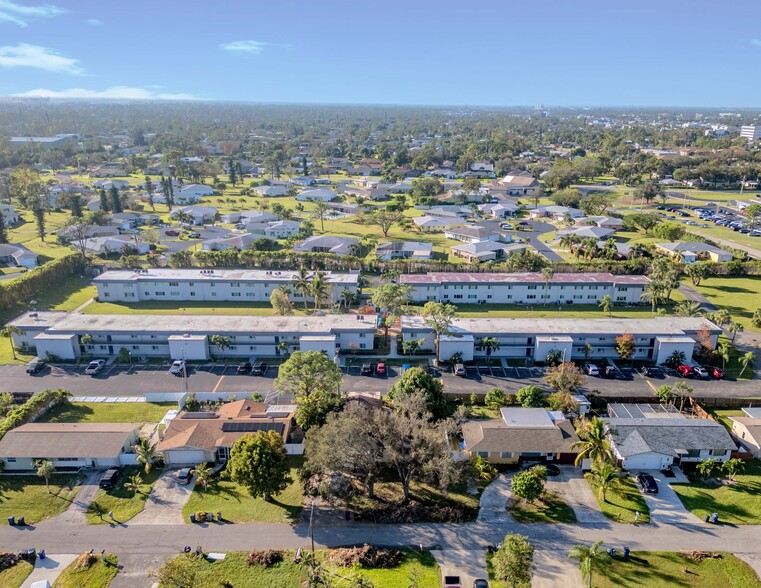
(452, 582)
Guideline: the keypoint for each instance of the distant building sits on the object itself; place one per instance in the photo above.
(486, 251)
(750, 132)
(520, 183)
(326, 244)
(14, 254)
(404, 250)
(693, 251)
(322, 194)
(45, 143)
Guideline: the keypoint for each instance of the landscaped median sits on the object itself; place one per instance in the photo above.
(124, 502)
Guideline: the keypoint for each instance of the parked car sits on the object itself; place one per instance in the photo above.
(177, 367)
(459, 370)
(172, 233)
(646, 483)
(506, 226)
(591, 369)
(184, 476)
(685, 371)
(700, 371)
(94, 367)
(194, 235)
(244, 368)
(452, 582)
(35, 366)
(108, 479)
(380, 369)
(366, 370)
(480, 583)
(259, 368)
(716, 372)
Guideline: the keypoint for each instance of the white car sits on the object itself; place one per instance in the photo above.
(94, 367)
(177, 367)
(591, 369)
(700, 371)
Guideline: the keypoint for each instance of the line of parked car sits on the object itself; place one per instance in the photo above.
(729, 219)
(698, 371)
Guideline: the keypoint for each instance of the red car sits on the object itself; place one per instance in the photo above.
(380, 369)
(172, 233)
(685, 371)
(717, 373)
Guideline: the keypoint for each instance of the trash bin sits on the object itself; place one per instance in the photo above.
(209, 517)
(708, 518)
(192, 517)
(613, 552)
(626, 552)
(715, 517)
(12, 521)
(347, 515)
(20, 522)
(42, 554)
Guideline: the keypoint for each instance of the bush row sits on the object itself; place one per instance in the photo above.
(49, 276)
(33, 408)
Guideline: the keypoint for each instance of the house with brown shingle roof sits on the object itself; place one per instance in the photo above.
(196, 437)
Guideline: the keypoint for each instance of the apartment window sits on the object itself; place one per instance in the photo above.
(10, 459)
(250, 294)
(129, 294)
(174, 293)
(472, 296)
(214, 294)
(136, 347)
(693, 452)
(235, 284)
(446, 287)
(457, 296)
(718, 451)
(160, 294)
(107, 295)
(488, 296)
(506, 454)
(620, 298)
(531, 297)
(191, 283)
(235, 294)
(102, 347)
(362, 335)
(212, 284)
(192, 293)
(363, 346)
(532, 287)
(252, 347)
(509, 296)
(66, 459)
(154, 347)
(174, 283)
(623, 289)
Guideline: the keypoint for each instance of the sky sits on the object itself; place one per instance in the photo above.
(484, 53)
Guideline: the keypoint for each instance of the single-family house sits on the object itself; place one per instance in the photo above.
(436, 223)
(192, 191)
(322, 194)
(68, 446)
(487, 250)
(472, 234)
(108, 184)
(199, 215)
(115, 244)
(404, 250)
(232, 241)
(587, 232)
(10, 216)
(653, 437)
(443, 172)
(449, 211)
(519, 435)
(326, 244)
(747, 431)
(520, 183)
(304, 181)
(15, 254)
(131, 220)
(482, 166)
(107, 170)
(692, 251)
(274, 190)
(605, 222)
(558, 213)
(248, 216)
(280, 229)
(197, 437)
(499, 210)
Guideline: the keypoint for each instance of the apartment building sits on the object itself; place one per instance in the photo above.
(524, 288)
(209, 285)
(191, 337)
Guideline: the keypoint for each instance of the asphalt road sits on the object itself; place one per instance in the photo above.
(542, 248)
(135, 381)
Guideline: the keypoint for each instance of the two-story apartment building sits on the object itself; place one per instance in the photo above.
(208, 285)
(524, 288)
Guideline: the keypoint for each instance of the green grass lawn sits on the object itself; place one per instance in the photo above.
(28, 497)
(98, 575)
(622, 505)
(108, 412)
(740, 296)
(13, 577)
(553, 311)
(723, 415)
(550, 508)
(122, 502)
(169, 307)
(737, 504)
(236, 505)
(67, 295)
(666, 569)
(419, 567)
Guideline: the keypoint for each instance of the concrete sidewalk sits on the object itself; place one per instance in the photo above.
(49, 568)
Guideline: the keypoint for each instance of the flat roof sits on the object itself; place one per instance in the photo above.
(527, 417)
(668, 325)
(194, 324)
(520, 277)
(643, 411)
(211, 275)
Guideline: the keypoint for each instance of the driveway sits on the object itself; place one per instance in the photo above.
(493, 503)
(48, 569)
(571, 486)
(75, 514)
(665, 507)
(553, 569)
(469, 565)
(164, 504)
(136, 570)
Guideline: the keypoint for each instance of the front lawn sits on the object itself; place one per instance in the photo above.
(108, 412)
(739, 295)
(723, 415)
(623, 503)
(124, 503)
(28, 497)
(14, 576)
(187, 307)
(550, 508)
(418, 566)
(98, 575)
(736, 504)
(665, 569)
(237, 505)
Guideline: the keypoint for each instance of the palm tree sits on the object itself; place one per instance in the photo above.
(589, 558)
(203, 474)
(747, 362)
(490, 344)
(653, 293)
(687, 308)
(547, 275)
(133, 485)
(8, 332)
(319, 289)
(302, 282)
(604, 476)
(320, 209)
(45, 469)
(221, 342)
(347, 298)
(734, 328)
(283, 347)
(723, 351)
(606, 304)
(146, 453)
(593, 442)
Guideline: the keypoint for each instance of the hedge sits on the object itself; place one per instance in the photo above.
(30, 285)
(33, 408)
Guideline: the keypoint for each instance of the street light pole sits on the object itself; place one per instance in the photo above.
(311, 528)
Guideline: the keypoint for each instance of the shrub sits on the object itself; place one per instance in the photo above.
(366, 556)
(756, 320)
(8, 560)
(201, 516)
(496, 398)
(33, 408)
(265, 558)
(85, 560)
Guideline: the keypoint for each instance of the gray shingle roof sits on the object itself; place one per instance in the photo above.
(666, 436)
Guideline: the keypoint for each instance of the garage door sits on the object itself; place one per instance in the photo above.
(185, 457)
(649, 461)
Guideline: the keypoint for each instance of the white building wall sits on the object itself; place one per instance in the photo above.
(61, 348)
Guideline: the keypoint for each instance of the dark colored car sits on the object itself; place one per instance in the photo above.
(685, 370)
(35, 366)
(647, 483)
(367, 369)
(480, 583)
(184, 476)
(244, 368)
(259, 368)
(108, 479)
(172, 233)
(716, 372)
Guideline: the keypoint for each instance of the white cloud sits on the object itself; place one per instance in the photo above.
(34, 56)
(245, 47)
(95, 22)
(756, 42)
(21, 15)
(113, 93)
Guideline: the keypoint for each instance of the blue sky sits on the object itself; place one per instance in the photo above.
(488, 52)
